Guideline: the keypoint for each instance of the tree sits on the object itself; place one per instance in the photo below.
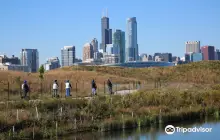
(41, 71)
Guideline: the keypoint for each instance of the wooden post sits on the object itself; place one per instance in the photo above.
(29, 90)
(17, 116)
(13, 130)
(75, 123)
(51, 90)
(61, 89)
(37, 113)
(116, 88)
(41, 87)
(129, 87)
(33, 131)
(76, 89)
(8, 91)
(56, 128)
(104, 87)
(20, 89)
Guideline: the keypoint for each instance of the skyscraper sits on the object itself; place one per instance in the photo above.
(118, 38)
(30, 58)
(106, 32)
(193, 47)
(94, 44)
(88, 52)
(217, 54)
(131, 40)
(208, 52)
(68, 55)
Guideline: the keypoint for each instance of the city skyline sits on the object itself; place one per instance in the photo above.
(28, 28)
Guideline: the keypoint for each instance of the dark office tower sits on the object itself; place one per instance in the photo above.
(187, 57)
(217, 54)
(208, 52)
(106, 32)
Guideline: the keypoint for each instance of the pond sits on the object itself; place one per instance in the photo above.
(158, 133)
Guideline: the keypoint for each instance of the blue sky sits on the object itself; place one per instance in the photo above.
(163, 25)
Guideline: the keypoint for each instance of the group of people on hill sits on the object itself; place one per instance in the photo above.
(68, 87)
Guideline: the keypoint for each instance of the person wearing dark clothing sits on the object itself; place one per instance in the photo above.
(55, 89)
(25, 89)
(109, 83)
(94, 87)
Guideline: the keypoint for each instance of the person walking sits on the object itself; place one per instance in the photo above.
(25, 89)
(68, 86)
(94, 87)
(109, 83)
(55, 89)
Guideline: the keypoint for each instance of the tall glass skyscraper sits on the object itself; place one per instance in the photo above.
(30, 58)
(106, 32)
(131, 40)
(118, 38)
(68, 55)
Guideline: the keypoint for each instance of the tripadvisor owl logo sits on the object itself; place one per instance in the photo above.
(169, 129)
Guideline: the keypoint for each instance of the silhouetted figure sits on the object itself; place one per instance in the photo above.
(94, 87)
(25, 89)
(109, 83)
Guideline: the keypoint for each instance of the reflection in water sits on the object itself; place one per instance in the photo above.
(153, 133)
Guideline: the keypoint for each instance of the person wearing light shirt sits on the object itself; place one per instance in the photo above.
(68, 86)
(55, 89)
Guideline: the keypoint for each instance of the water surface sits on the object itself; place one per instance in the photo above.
(154, 133)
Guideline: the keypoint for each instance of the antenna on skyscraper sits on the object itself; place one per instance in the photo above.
(106, 12)
(102, 13)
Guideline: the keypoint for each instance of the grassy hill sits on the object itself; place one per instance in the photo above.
(205, 72)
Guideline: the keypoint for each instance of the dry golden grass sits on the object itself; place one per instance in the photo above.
(206, 72)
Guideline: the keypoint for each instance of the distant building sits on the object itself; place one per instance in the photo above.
(77, 60)
(52, 63)
(12, 60)
(208, 52)
(141, 64)
(158, 58)
(94, 44)
(111, 58)
(112, 54)
(131, 40)
(88, 52)
(217, 54)
(30, 58)
(13, 67)
(187, 57)
(195, 57)
(167, 57)
(98, 55)
(113, 49)
(68, 55)
(105, 32)
(192, 46)
(118, 38)
(174, 58)
(150, 58)
(143, 57)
